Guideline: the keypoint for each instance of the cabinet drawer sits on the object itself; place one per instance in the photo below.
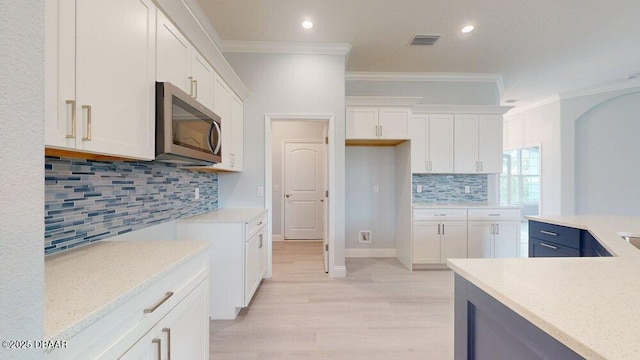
(557, 234)
(495, 214)
(255, 225)
(440, 214)
(542, 248)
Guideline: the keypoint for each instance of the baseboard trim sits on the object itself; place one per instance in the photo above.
(364, 253)
(277, 237)
(339, 271)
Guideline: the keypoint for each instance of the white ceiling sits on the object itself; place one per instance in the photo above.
(541, 47)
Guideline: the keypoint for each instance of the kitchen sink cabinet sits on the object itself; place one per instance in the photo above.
(432, 143)
(100, 77)
(377, 123)
(478, 144)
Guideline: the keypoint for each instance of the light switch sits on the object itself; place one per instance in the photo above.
(197, 193)
(467, 189)
(260, 191)
(419, 188)
(376, 189)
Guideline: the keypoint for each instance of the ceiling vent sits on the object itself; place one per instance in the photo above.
(424, 40)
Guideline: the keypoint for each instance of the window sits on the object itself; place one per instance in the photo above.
(520, 178)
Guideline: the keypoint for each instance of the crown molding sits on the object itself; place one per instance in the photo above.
(399, 76)
(204, 22)
(522, 109)
(594, 90)
(460, 109)
(381, 101)
(268, 47)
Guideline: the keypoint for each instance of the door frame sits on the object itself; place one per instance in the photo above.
(329, 221)
(282, 185)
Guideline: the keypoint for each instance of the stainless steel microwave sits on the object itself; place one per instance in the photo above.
(187, 133)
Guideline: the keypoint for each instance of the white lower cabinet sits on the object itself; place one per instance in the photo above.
(438, 235)
(238, 256)
(447, 233)
(494, 233)
(179, 334)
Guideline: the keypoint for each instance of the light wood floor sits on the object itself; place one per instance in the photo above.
(380, 311)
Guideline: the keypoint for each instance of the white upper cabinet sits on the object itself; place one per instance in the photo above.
(181, 64)
(377, 123)
(237, 119)
(362, 123)
(174, 55)
(101, 77)
(432, 143)
(478, 144)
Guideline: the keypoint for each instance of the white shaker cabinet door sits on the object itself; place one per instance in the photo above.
(480, 239)
(237, 119)
(362, 123)
(173, 55)
(453, 244)
(490, 144)
(466, 144)
(426, 242)
(222, 108)
(393, 123)
(440, 144)
(203, 78)
(115, 76)
(506, 239)
(419, 143)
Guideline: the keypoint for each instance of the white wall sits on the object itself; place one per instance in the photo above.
(22, 174)
(288, 130)
(369, 166)
(607, 166)
(287, 84)
(540, 126)
(432, 92)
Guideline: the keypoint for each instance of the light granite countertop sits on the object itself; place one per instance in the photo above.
(591, 305)
(226, 216)
(85, 284)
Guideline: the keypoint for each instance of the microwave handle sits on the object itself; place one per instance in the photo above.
(217, 149)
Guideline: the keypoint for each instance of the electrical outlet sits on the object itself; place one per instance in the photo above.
(260, 191)
(197, 193)
(376, 189)
(364, 237)
(467, 189)
(419, 188)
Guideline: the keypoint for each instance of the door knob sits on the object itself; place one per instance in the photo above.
(288, 195)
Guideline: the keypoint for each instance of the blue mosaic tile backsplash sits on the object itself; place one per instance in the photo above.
(450, 188)
(88, 200)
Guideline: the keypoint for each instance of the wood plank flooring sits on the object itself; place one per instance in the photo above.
(380, 311)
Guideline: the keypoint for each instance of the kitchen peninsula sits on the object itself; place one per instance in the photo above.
(553, 307)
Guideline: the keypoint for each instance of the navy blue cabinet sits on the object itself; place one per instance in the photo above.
(486, 329)
(550, 240)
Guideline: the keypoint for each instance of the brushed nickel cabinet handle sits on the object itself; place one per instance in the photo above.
(442, 229)
(88, 130)
(260, 223)
(168, 332)
(73, 119)
(480, 165)
(157, 305)
(430, 165)
(158, 343)
(377, 131)
(477, 166)
(497, 228)
(380, 130)
(548, 246)
(190, 86)
(195, 82)
(438, 229)
(426, 165)
(548, 233)
(492, 229)
(260, 244)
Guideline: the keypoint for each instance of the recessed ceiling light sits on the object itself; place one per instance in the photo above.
(468, 29)
(307, 24)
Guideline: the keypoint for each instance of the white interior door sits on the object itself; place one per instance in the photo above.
(304, 187)
(325, 201)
